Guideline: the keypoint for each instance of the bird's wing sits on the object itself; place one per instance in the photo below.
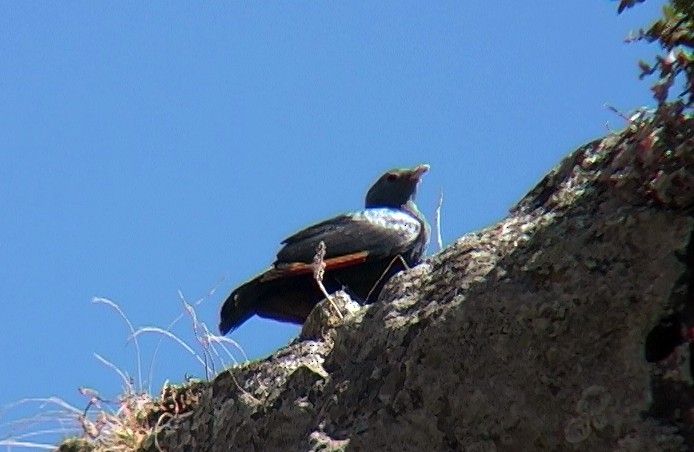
(351, 238)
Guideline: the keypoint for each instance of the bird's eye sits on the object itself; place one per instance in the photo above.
(391, 177)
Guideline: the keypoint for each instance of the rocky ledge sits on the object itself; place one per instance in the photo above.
(566, 326)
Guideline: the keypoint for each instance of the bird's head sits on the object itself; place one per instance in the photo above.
(395, 188)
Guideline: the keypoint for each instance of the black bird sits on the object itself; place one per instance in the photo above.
(363, 250)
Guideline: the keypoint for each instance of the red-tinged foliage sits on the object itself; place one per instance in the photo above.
(675, 34)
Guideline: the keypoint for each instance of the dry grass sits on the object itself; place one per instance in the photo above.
(437, 222)
(136, 415)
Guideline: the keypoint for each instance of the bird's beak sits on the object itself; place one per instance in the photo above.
(419, 171)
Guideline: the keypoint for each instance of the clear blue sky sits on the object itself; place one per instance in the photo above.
(152, 147)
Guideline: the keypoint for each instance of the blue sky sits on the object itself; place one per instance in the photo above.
(152, 147)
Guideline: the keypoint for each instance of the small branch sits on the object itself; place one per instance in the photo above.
(437, 221)
(319, 272)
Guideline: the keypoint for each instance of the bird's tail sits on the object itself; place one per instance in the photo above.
(275, 294)
(240, 306)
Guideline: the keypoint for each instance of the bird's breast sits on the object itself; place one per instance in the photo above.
(392, 219)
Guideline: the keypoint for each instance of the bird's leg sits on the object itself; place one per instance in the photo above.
(385, 272)
(319, 272)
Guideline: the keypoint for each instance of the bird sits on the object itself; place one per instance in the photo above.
(361, 251)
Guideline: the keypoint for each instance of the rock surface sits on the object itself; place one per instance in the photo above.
(532, 334)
